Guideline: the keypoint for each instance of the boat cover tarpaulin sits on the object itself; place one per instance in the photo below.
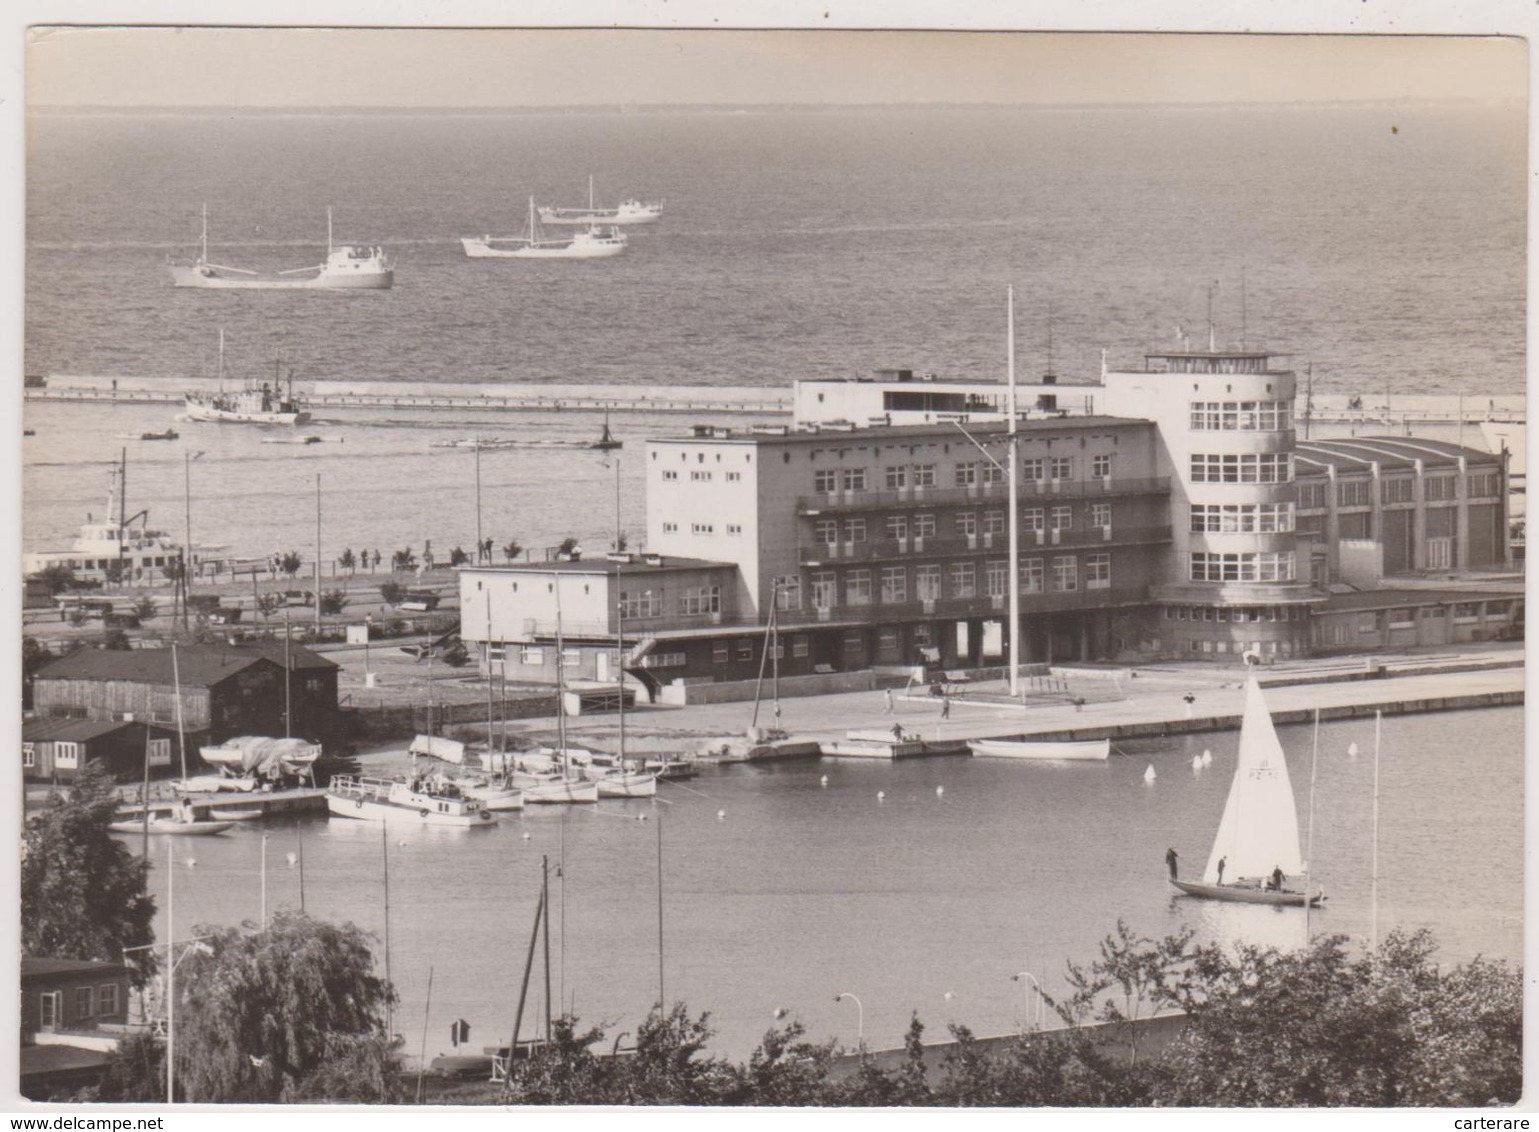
(449, 750)
(260, 754)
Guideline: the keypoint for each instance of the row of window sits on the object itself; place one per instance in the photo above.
(969, 473)
(1242, 614)
(967, 524)
(703, 476)
(1397, 489)
(1269, 566)
(890, 584)
(1245, 467)
(90, 1002)
(66, 756)
(1242, 416)
(671, 528)
(1242, 518)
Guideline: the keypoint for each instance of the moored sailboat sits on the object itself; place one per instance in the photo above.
(348, 267)
(1257, 844)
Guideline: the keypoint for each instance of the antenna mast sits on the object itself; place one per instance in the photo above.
(1015, 510)
(1212, 339)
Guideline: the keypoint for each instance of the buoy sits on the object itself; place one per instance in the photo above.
(641, 817)
(1207, 758)
(1196, 762)
(293, 859)
(400, 845)
(1149, 774)
(526, 835)
(191, 861)
(881, 794)
(1352, 750)
(823, 781)
(721, 815)
(780, 1012)
(940, 791)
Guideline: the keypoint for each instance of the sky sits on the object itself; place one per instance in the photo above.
(439, 68)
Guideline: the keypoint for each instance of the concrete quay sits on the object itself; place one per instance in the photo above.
(1152, 704)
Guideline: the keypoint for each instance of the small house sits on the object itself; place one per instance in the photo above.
(55, 750)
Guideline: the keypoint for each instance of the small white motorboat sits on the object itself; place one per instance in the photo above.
(1094, 749)
(415, 802)
(221, 814)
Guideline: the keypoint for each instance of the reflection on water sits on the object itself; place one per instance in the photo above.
(798, 892)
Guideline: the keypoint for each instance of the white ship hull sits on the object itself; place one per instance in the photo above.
(630, 212)
(560, 792)
(192, 275)
(196, 412)
(366, 809)
(627, 786)
(487, 248)
(1095, 749)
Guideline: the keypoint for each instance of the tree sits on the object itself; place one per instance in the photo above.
(512, 550)
(347, 561)
(333, 601)
(1133, 976)
(82, 892)
(290, 563)
(116, 640)
(288, 1012)
(267, 604)
(145, 608)
(57, 577)
(783, 1071)
(1319, 1026)
(458, 557)
(567, 548)
(666, 1068)
(564, 1070)
(404, 559)
(391, 592)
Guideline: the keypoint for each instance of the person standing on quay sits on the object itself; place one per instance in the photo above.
(887, 695)
(1170, 862)
(945, 706)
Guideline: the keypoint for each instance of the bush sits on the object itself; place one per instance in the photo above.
(391, 592)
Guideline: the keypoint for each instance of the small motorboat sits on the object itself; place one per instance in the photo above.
(1096, 749)
(213, 783)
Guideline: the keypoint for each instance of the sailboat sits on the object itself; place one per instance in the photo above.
(591, 243)
(558, 786)
(1257, 845)
(620, 779)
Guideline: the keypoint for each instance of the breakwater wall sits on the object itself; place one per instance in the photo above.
(509, 397)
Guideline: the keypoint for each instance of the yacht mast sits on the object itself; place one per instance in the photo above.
(1015, 510)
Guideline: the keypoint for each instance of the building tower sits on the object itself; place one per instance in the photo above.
(1233, 580)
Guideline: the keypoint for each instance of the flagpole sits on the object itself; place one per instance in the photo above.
(1378, 722)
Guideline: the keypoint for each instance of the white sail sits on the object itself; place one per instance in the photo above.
(1259, 831)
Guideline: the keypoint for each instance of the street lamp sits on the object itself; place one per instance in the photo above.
(860, 1015)
(1033, 1009)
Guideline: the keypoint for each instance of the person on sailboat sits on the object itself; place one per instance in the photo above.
(1221, 862)
(1277, 878)
(1170, 861)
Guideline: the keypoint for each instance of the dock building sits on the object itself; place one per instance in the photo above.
(1169, 511)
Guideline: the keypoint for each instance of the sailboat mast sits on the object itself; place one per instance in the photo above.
(144, 799)
(1373, 937)
(620, 661)
(221, 359)
(560, 692)
(590, 196)
(545, 899)
(1015, 510)
(774, 620)
(489, 670)
(204, 243)
(384, 861)
(328, 230)
(1309, 851)
(181, 731)
(288, 677)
